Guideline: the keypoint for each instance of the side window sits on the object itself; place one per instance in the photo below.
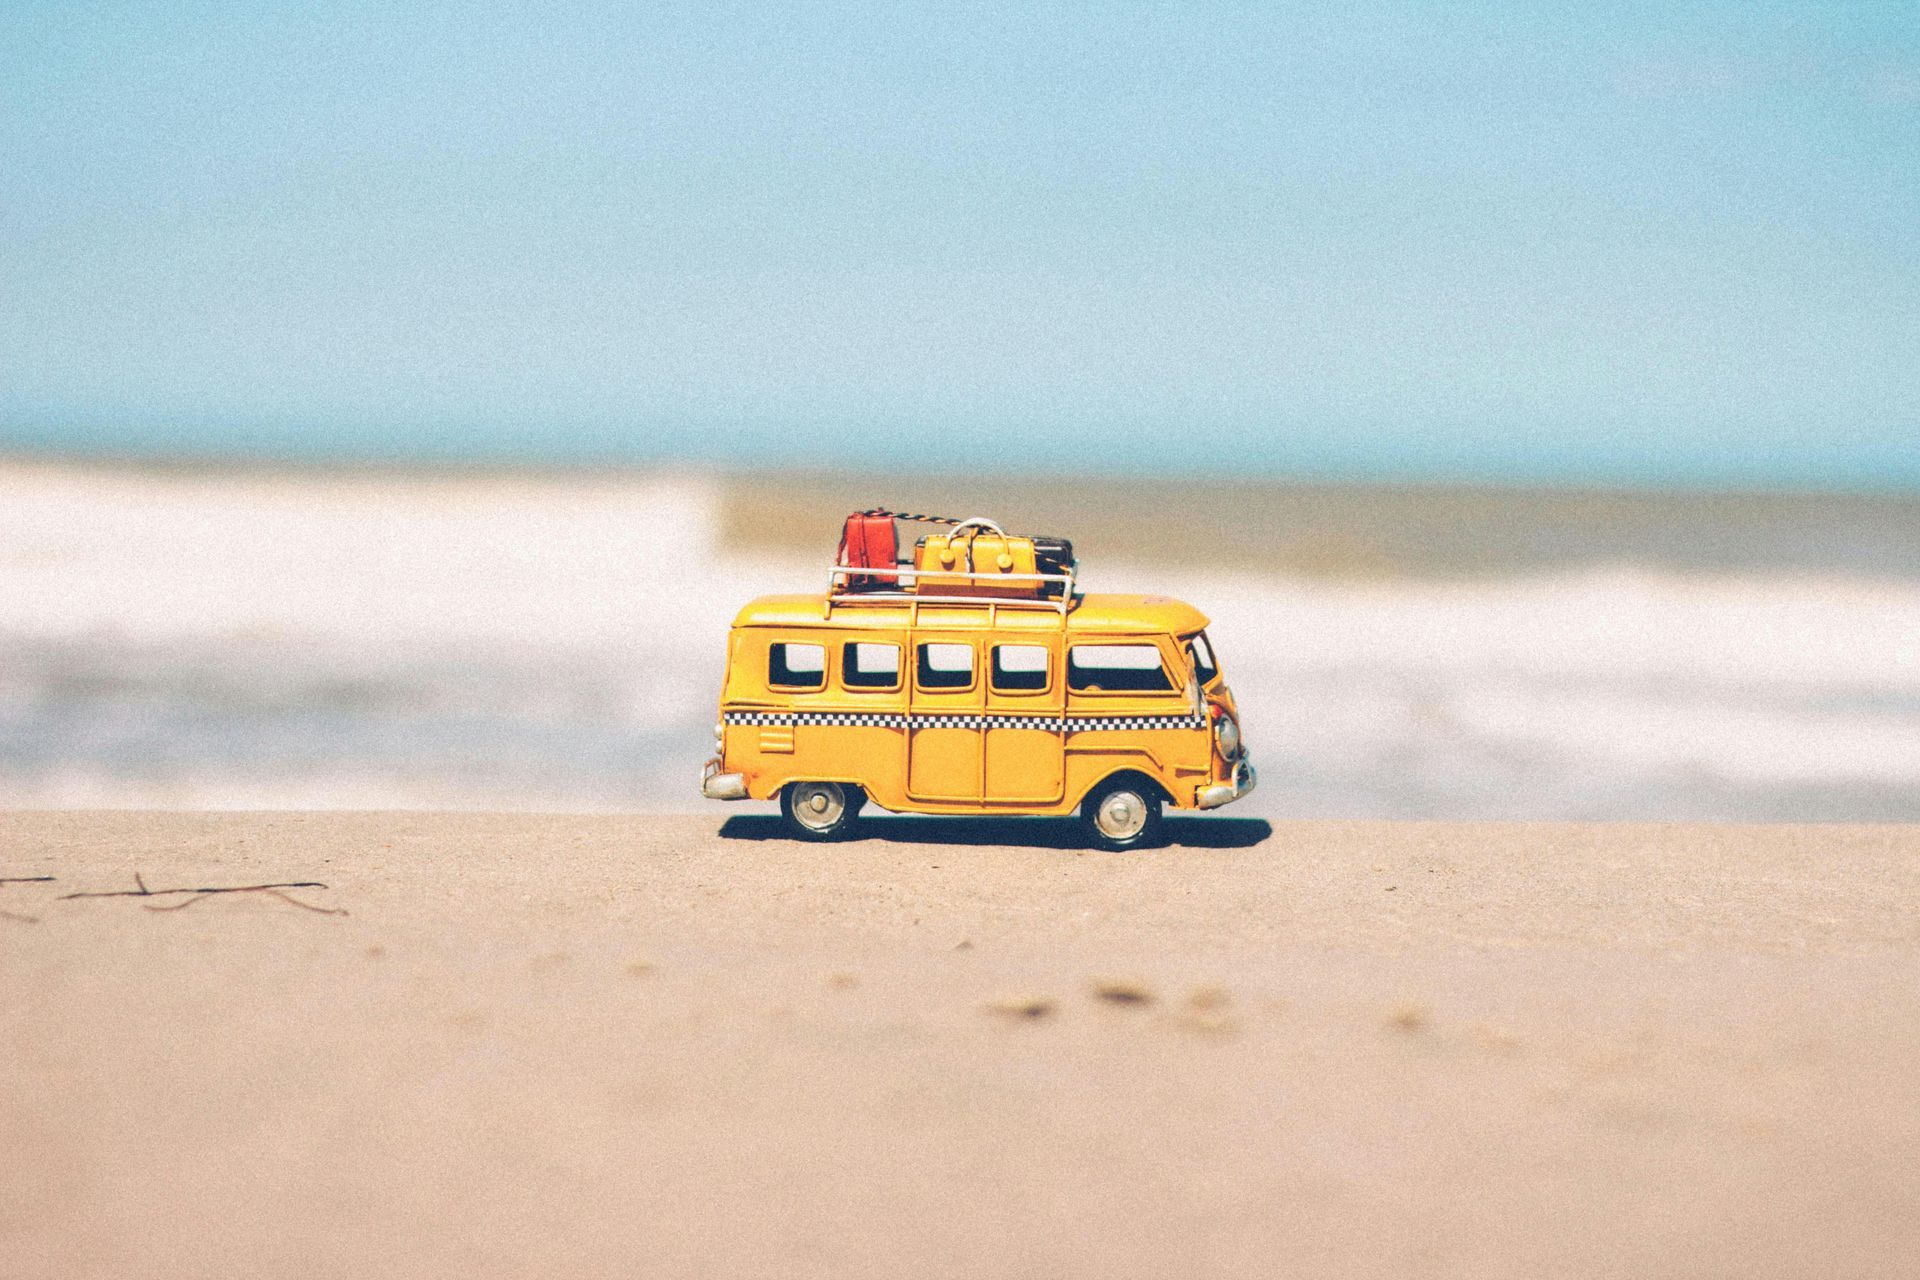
(796, 666)
(1020, 668)
(1126, 668)
(870, 666)
(946, 666)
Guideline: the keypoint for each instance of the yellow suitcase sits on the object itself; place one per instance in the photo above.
(975, 558)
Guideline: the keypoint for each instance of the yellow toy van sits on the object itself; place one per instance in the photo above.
(974, 679)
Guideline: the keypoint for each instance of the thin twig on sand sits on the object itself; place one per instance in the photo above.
(197, 894)
(201, 895)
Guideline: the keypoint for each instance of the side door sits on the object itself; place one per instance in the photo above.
(1127, 697)
(944, 752)
(1026, 730)
(869, 737)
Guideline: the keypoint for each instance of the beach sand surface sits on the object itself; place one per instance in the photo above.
(512, 1045)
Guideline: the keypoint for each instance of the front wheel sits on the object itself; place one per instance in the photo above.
(820, 810)
(1121, 814)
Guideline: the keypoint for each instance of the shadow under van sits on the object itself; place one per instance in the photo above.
(1019, 832)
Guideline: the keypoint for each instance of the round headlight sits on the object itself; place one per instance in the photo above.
(1226, 732)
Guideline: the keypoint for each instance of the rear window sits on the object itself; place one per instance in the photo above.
(864, 665)
(796, 666)
(946, 666)
(1110, 668)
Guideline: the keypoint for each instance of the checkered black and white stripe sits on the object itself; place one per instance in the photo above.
(962, 720)
(884, 720)
(1188, 721)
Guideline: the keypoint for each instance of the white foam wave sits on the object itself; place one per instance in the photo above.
(557, 643)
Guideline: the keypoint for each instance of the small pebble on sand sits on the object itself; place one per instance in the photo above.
(1408, 1017)
(1024, 1007)
(1124, 993)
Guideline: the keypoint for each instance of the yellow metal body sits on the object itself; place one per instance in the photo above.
(980, 717)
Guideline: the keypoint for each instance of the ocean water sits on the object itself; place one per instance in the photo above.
(347, 640)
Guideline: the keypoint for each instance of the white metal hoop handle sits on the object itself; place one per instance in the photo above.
(977, 524)
(982, 522)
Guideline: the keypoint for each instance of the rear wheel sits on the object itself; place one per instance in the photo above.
(820, 810)
(1122, 813)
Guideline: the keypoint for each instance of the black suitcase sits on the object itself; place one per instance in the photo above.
(1053, 555)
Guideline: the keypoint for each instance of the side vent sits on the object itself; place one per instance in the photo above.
(776, 738)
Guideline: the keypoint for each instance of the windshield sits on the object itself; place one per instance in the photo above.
(1204, 667)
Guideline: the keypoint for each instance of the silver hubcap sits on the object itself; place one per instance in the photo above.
(819, 804)
(1121, 815)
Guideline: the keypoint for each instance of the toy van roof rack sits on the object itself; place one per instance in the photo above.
(839, 590)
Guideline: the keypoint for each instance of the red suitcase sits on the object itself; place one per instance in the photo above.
(866, 542)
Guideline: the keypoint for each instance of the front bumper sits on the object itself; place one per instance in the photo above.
(715, 785)
(1220, 793)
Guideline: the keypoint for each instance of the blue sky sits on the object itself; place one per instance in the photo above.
(1661, 243)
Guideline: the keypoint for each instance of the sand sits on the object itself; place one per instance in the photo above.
(626, 1046)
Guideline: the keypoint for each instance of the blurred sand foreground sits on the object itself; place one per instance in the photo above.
(623, 1046)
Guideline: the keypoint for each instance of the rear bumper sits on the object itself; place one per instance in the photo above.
(715, 785)
(1227, 792)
